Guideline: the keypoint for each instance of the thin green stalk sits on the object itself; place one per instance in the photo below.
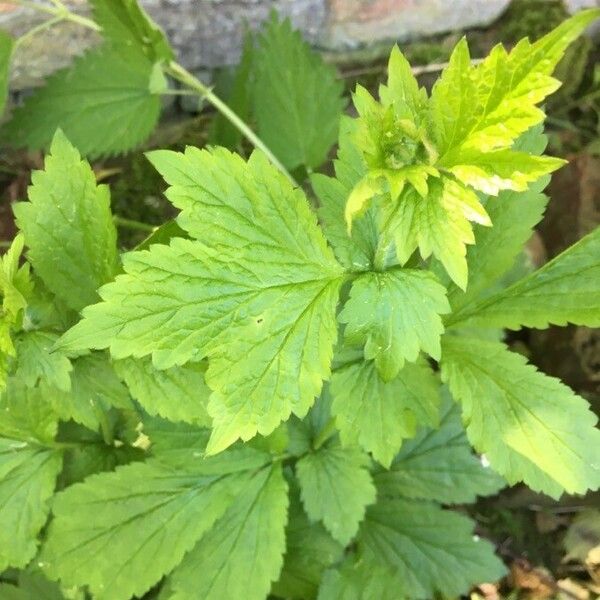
(59, 10)
(176, 71)
(37, 29)
(327, 432)
(132, 224)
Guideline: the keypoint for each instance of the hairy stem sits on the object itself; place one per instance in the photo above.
(176, 71)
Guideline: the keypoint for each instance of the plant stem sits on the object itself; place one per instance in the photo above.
(37, 29)
(131, 224)
(328, 431)
(176, 71)
(59, 10)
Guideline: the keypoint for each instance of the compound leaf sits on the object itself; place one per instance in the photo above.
(68, 226)
(516, 416)
(336, 487)
(297, 97)
(395, 314)
(103, 103)
(243, 553)
(27, 479)
(565, 290)
(178, 393)
(438, 464)
(120, 532)
(379, 415)
(257, 294)
(429, 549)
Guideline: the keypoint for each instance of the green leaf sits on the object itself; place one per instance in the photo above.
(257, 295)
(354, 250)
(16, 285)
(379, 415)
(68, 226)
(488, 106)
(402, 90)
(36, 363)
(438, 464)
(492, 172)
(95, 387)
(395, 314)
(26, 414)
(357, 580)
(243, 553)
(516, 416)
(297, 97)
(452, 102)
(514, 214)
(336, 487)
(565, 290)
(309, 551)
(33, 586)
(177, 394)
(438, 224)
(128, 28)
(27, 478)
(120, 532)
(102, 102)
(429, 549)
(6, 49)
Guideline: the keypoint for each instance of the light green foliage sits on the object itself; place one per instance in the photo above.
(395, 314)
(36, 362)
(531, 427)
(311, 328)
(426, 158)
(26, 415)
(103, 103)
(31, 585)
(357, 250)
(127, 27)
(95, 388)
(27, 477)
(177, 394)
(28, 470)
(68, 226)
(297, 97)
(309, 551)
(438, 464)
(565, 290)
(514, 215)
(6, 49)
(243, 553)
(336, 487)
(378, 415)
(107, 530)
(256, 292)
(428, 549)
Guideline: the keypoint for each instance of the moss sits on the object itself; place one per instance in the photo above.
(531, 18)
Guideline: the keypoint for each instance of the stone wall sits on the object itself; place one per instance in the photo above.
(208, 33)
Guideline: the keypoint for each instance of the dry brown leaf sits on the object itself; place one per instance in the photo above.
(538, 582)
